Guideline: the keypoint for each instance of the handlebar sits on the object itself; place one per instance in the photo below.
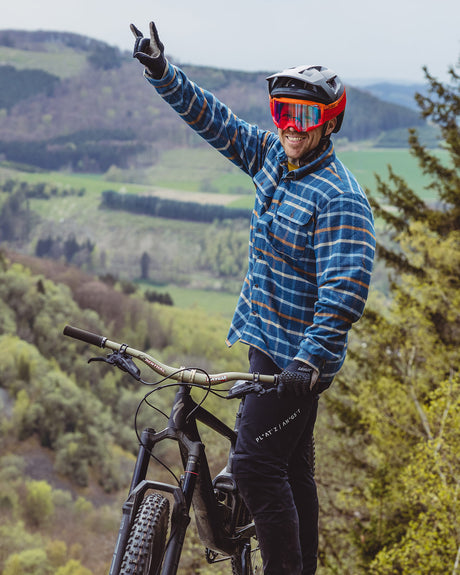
(85, 336)
(182, 375)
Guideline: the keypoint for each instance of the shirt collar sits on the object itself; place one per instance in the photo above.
(325, 158)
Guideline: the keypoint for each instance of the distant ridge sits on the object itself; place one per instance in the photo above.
(15, 39)
(75, 102)
(402, 94)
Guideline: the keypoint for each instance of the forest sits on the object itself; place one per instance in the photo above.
(164, 208)
(388, 432)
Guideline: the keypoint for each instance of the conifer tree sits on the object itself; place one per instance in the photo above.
(440, 107)
(404, 395)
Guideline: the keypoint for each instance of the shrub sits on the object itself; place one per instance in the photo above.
(29, 562)
(38, 505)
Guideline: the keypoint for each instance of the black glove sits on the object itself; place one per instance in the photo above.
(298, 379)
(150, 53)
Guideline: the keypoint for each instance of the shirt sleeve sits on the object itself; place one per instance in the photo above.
(242, 143)
(344, 243)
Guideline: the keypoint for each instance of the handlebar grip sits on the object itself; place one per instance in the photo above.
(85, 336)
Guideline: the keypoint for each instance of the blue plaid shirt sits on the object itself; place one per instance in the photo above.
(311, 245)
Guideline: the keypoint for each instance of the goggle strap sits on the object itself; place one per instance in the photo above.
(333, 110)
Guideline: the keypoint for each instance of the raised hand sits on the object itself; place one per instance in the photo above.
(149, 52)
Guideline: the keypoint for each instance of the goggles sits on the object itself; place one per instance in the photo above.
(303, 115)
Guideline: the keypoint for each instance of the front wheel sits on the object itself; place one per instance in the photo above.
(146, 544)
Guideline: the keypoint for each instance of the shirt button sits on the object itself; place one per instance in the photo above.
(254, 313)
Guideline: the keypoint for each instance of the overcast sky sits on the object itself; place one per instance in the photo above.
(359, 39)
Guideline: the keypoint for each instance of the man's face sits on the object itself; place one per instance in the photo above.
(298, 144)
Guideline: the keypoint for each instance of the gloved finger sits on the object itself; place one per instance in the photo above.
(141, 46)
(281, 389)
(143, 59)
(154, 33)
(137, 33)
(155, 42)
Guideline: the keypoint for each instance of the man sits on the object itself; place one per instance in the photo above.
(311, 252)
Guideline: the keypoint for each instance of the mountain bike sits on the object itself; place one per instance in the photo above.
(151, 535)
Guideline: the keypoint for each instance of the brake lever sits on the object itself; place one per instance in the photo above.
(121, 360)
(242, 388)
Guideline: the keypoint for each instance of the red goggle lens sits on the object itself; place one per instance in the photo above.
(302, 116)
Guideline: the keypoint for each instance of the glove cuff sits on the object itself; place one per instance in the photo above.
(297, 365)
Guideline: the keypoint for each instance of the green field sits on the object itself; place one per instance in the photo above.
(203, 169)
(63, 62)
(215, 302)
(366, 163)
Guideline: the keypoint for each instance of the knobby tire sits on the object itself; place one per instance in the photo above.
(147, 540)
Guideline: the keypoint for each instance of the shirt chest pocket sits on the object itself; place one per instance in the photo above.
(291, 231)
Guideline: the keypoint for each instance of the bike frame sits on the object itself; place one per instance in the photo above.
(223, 522)
(197, 488)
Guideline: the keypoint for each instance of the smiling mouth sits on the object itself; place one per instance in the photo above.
(293, 138)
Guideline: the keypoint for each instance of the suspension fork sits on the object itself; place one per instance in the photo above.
(131, 505)
(182, 495)
(180, 518)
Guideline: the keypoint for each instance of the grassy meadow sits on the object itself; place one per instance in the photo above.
(63, 61)
(214, 302)
(204, 170)
(197, 175)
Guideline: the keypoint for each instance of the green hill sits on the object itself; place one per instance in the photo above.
(67, 441)
(69, 101)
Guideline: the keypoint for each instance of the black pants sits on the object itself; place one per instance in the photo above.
(275, 477)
